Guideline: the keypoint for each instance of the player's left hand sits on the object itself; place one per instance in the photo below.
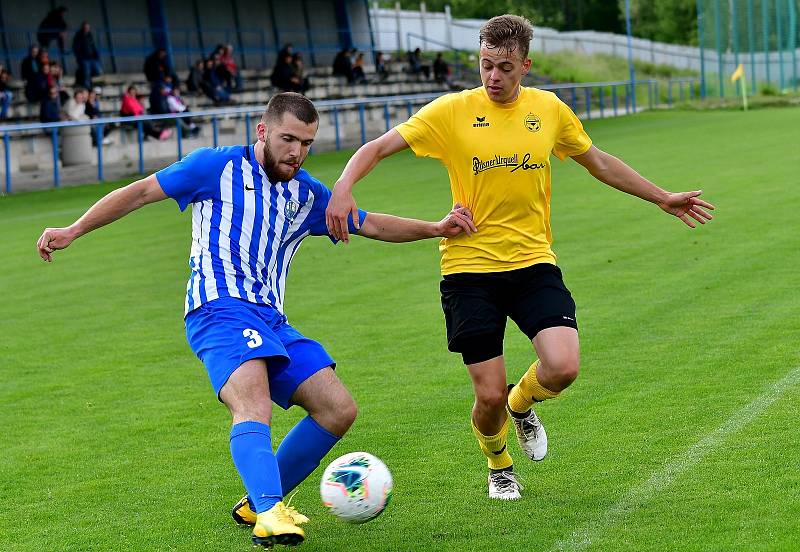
(458, 220)
(688, 207)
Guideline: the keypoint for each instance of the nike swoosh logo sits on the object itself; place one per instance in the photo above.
(499, 452)
(250, 189)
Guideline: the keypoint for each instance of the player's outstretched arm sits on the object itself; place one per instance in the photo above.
(610, 170)
(111, 207)
(390, 228)
(363, 161)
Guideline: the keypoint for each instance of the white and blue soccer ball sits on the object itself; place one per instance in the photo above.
(356, 487)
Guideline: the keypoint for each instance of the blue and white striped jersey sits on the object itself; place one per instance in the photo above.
(245, 229)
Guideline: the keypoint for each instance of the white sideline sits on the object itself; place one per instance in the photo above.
(584, 537)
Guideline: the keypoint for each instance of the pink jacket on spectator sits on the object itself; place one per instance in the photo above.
(131, 106)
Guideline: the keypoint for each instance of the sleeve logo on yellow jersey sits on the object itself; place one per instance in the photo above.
(533, 122)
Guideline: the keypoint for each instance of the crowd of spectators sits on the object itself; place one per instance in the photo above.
(216, 76)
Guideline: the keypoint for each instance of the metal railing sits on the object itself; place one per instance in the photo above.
(592, 100)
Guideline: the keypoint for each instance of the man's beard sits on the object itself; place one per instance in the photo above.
(273, 168)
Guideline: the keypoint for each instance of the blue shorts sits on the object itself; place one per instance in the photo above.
(226, 332)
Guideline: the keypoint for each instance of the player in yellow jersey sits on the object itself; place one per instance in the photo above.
(496, 142)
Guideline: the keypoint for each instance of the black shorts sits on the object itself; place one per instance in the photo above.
(476, 306)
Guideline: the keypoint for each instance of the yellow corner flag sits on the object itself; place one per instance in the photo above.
(739, 74)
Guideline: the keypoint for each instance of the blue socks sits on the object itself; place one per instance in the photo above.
(301, 451)
(251, 449)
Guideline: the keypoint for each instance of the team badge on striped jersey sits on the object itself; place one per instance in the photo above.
(290, 211)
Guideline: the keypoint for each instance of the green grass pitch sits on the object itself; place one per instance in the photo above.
(680, 434)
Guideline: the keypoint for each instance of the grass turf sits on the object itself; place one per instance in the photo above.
(113, 440)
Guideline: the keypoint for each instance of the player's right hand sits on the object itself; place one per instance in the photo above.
(53, 239)
(341, 205)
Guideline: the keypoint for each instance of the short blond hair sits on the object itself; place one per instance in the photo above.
(509, 33)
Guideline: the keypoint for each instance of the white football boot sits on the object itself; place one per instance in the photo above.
(530, 432)
(504, 486)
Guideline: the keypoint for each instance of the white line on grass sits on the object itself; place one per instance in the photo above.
(584, 537)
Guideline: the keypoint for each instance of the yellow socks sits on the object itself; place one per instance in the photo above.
(528, 391)
(494, 447)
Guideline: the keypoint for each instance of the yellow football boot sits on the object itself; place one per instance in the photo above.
(243, 514)
(276, 526)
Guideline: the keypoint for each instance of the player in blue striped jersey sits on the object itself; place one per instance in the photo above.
(251, 207)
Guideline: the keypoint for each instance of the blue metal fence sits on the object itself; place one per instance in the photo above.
(591, 98)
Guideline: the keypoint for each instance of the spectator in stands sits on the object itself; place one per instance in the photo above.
(157, 66)
(343, 65)
(230, 71)
(288, 48)
(86, 55)
(158, 98)
(417, 65)
(75, 108)
(299, 69)
(284, 77)
(195, 78)
(132, 107)
(211, 84)
(93, 112)
(359, 76)
(53, 27)
(30, 67)
(50, 108)
(36, 89)
(441, 70)
(381, 69)
(54, 79)
(176, 105)
(5, 94)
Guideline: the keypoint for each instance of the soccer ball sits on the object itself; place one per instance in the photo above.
(356, 487)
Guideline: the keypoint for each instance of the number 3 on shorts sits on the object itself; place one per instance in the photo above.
(254, 340)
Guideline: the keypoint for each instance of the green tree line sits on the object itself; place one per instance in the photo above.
(673, 21)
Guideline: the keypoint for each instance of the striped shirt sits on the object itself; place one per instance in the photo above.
(245, 229)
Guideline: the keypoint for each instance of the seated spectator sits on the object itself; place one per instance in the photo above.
(157, 66)
(176, 105)
(54, 79)
(93, 112)
(299, 69)
(43, 57)
(30, 67)
(359, 77)
(158, 98)
(36, 89)
(75, 108)
(229, 69)
(288, 48)
(5, 94)
(283, 76)
(195, 78)
(343, 65)
(132, 107)
(50, 108)
(417, 65)
(86, 55)
(53, 27)
(441, 70)
(211, 84)
(380, 67)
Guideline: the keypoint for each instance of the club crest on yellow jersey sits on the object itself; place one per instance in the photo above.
(533, 122)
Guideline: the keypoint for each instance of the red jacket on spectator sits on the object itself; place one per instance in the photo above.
(131, 106)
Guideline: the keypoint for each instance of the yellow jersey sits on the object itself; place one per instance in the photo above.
(498, 160)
